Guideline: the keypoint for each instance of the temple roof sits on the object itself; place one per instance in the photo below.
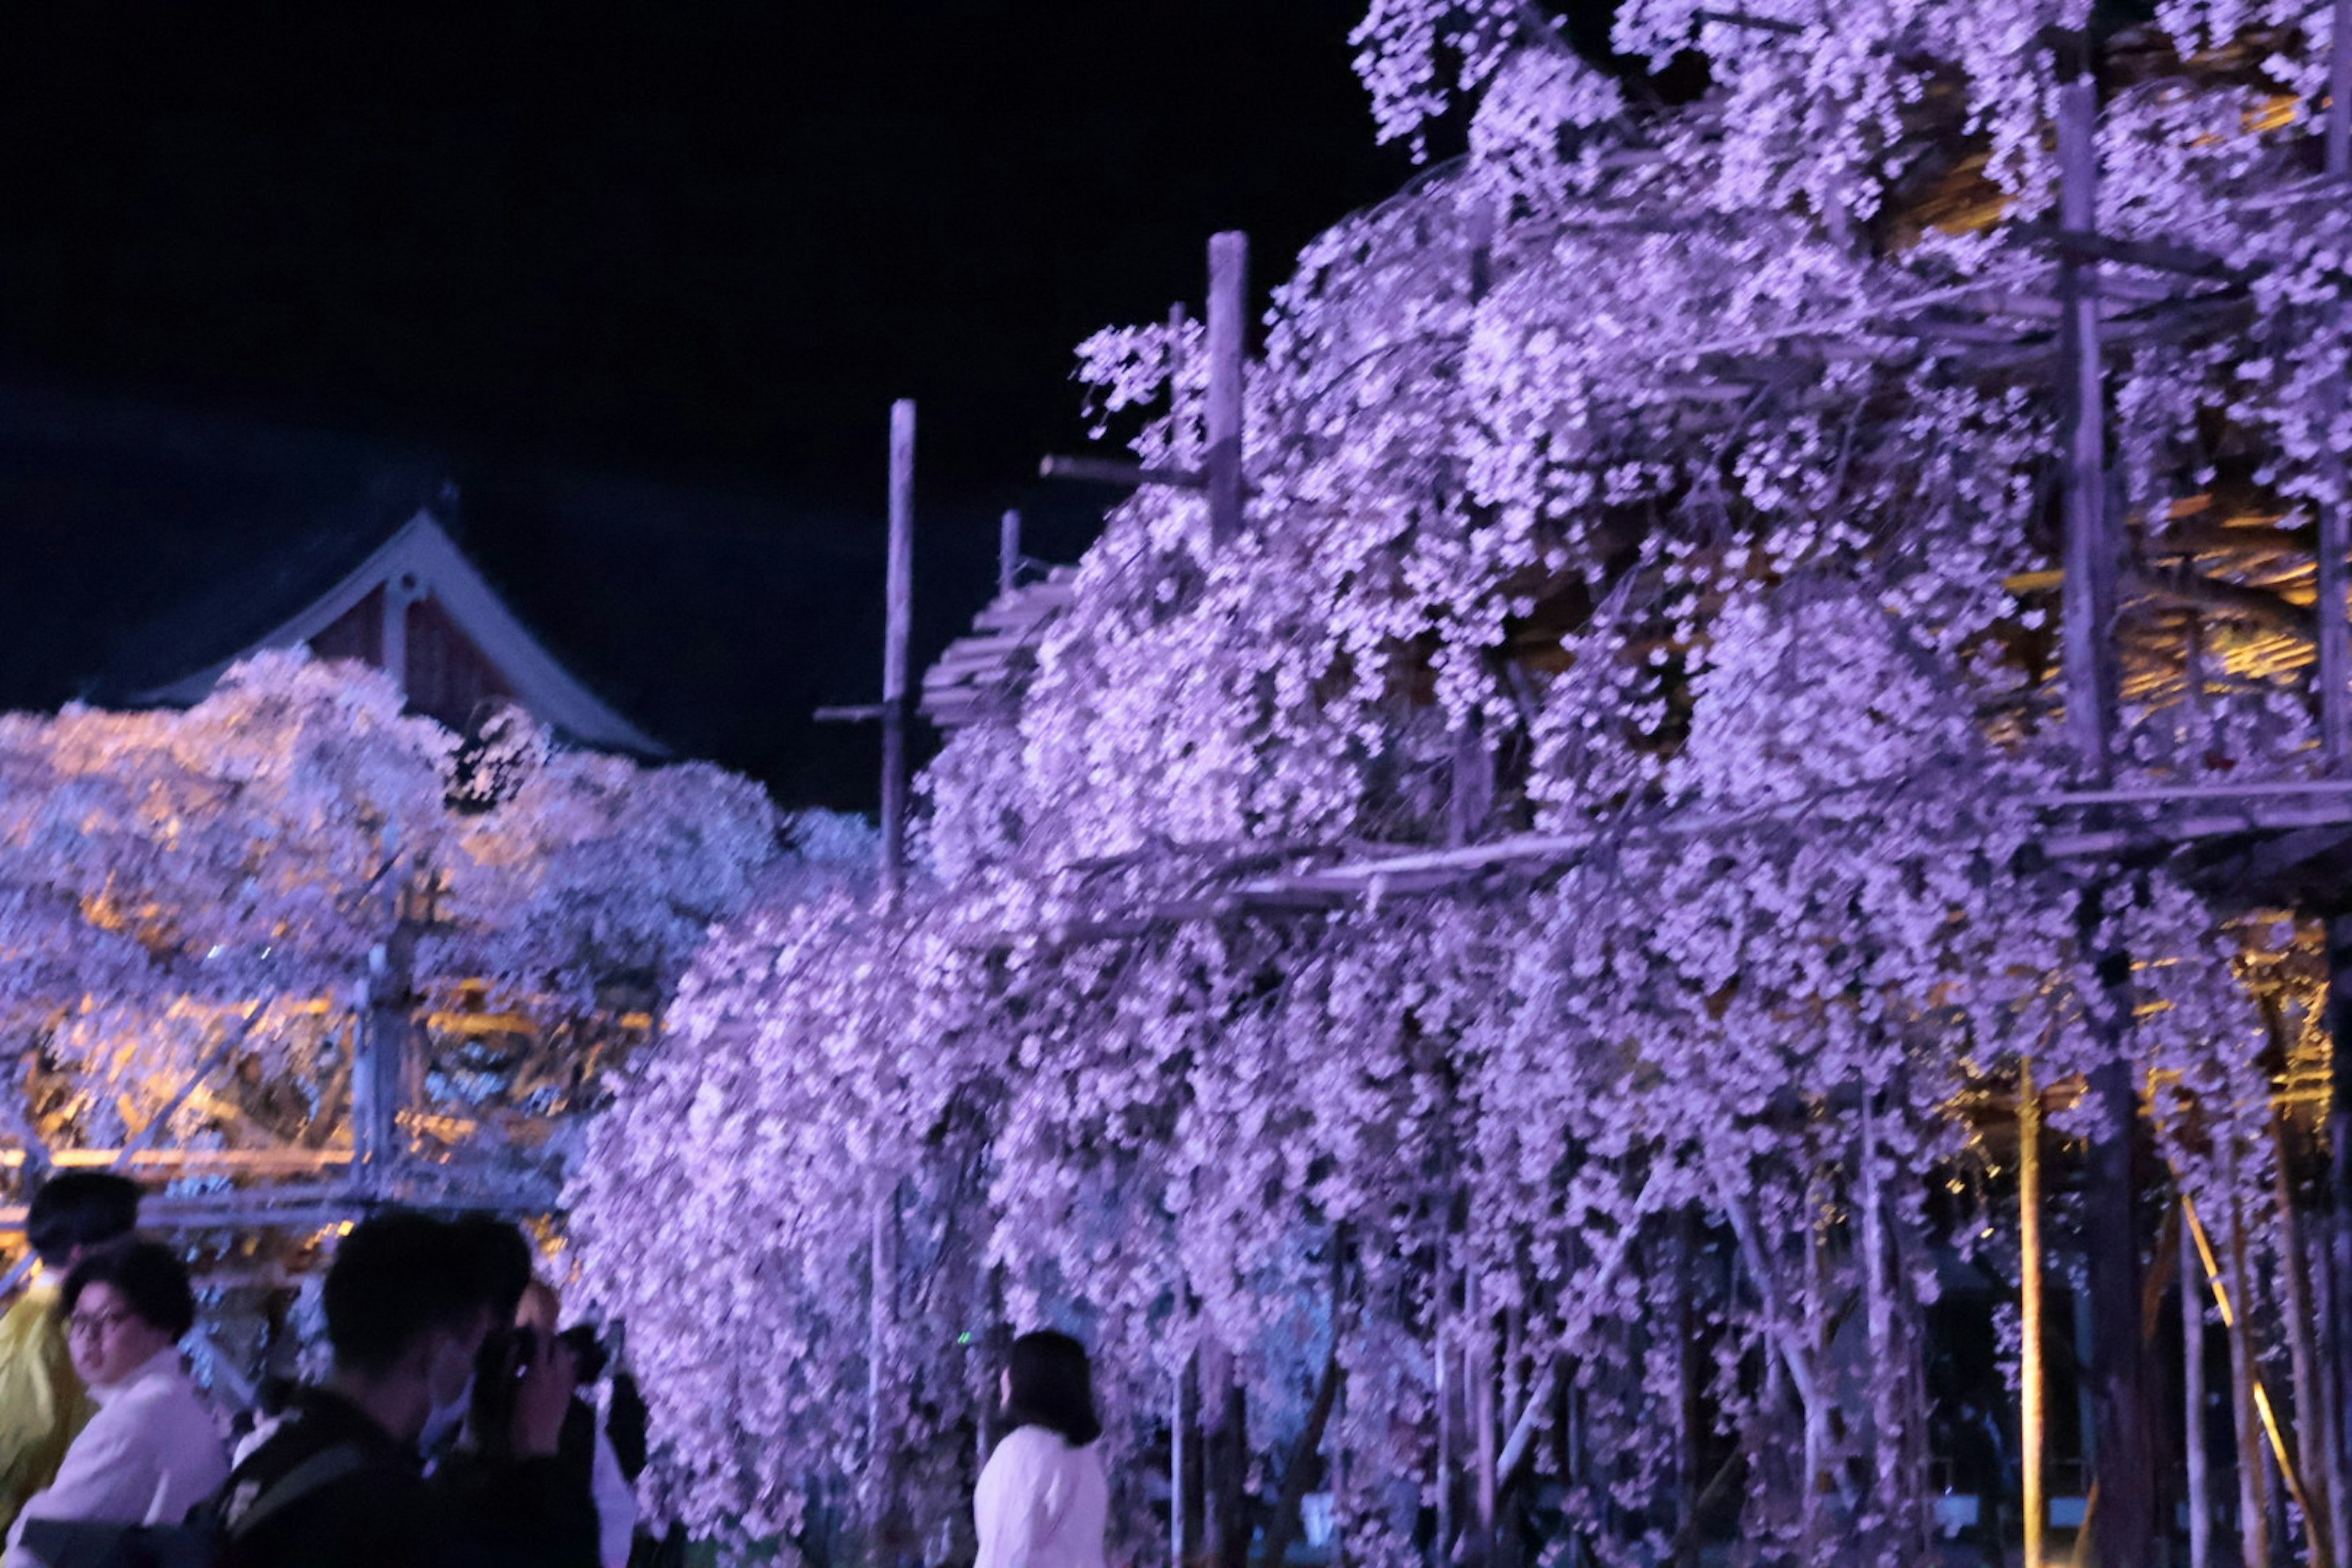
(152, 549)
(417, 565)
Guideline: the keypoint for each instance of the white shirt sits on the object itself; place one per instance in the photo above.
(149, 1455)
(1041, 1503)
(616, 1504)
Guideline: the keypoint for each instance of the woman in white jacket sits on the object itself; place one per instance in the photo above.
(1043, 1498)
(152, 1451)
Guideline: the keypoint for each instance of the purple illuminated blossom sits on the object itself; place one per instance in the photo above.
(1597, 459)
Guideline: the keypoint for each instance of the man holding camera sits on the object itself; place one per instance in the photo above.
(339, 1484)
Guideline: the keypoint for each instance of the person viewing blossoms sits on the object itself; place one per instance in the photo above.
(152, 1451)
(601, 1525)
(1043, 1500)
(42, 1402)
(341, 1484)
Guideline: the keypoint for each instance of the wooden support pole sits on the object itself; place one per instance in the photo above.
(1228, 362)
(900, 595)
(1227, 1539)
(2257, 1415)
(2338, 1209)
(2091, 552)
(2032, 1421)
(1472, 799)
(2192, 1402)
(2253, 1501)
(2339, 93)
(1442, 1342)
(1008, 551)
(2335, 590)
(881, 1316)
(2125, 1530)
(380, 1055)
(1113, 471)
(1176, 1490)
(1483, 1373)
(2315, 1439)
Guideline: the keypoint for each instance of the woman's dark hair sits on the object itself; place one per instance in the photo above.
(1053, 1387)
(147, 1275)
(80, 1208)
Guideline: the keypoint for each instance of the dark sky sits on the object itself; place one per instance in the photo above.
(648, 277)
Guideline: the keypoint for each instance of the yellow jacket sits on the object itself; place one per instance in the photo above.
(43, 1406)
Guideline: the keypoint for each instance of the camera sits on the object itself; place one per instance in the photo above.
(589, 1356)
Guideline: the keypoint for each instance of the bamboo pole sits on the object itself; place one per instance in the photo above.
(1442, 1339)
(1818, 1460)
(2032, 1419)
(2250, 1407)
(1894, 1501)
(2090, 582)
(2339, 93)
(2253, 1501)
(2266, 1415)
(2330, 608)
(2312, 1445)
(881, 1312)
(1008, 552)
(1176, 1465)
(2192, 1399)
(1483, 1372)
(1228, 365)
(899, 599)
(2338, 927)
(2320, 1250)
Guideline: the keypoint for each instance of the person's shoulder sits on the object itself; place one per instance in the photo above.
(30, 1324)
(1033, 1447)
(313, 1425)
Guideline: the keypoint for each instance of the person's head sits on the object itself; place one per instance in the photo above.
(124, 1305)
(77, 1211)
(1047, 1383)
(406, 1314)
(501, 1262)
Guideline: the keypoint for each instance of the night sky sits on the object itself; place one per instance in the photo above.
(647, 278)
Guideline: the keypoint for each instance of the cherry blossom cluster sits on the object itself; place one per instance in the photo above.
(160, 871)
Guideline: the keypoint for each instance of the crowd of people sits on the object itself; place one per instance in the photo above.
(450, 1432)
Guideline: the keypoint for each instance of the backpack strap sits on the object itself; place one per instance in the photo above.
(323, 1469)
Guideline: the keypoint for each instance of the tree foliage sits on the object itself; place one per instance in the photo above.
(1642, 481)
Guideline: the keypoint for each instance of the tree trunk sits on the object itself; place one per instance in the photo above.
(1224, 1414)
(1290, 1507)
(1683, 1253)
(2124, 1531)
(1480, 1355)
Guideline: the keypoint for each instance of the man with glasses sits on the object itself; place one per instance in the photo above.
(43, 1404)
